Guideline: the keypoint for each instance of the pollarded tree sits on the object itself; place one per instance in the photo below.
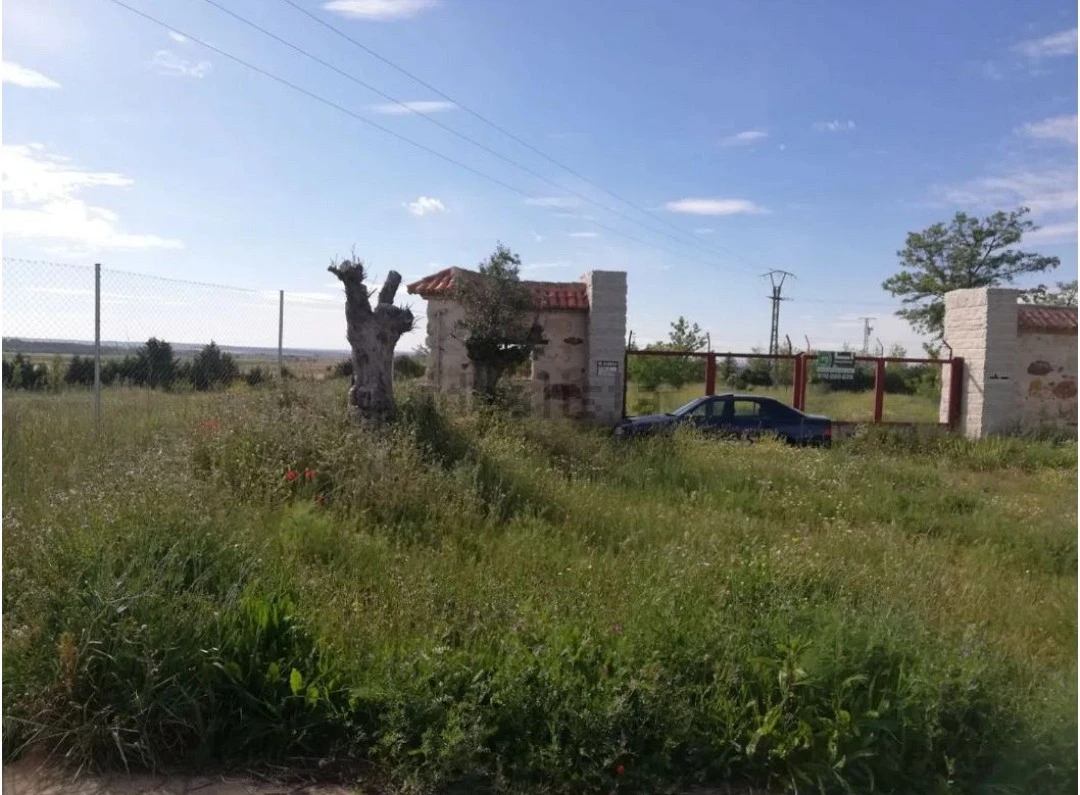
(969, 252)
(372, 333)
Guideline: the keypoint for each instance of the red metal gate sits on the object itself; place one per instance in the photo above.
(801, 377)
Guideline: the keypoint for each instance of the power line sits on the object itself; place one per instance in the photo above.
(477, 115)
(483, 147)
(381, 128)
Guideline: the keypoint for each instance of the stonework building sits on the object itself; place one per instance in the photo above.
(575, 372)
(1020, 362)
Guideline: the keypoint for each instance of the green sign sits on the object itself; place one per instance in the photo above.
(836, 365)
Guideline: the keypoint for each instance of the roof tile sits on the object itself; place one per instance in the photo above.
(546, 295)
(1047, 319)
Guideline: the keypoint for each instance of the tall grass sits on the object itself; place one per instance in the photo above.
(473, 602)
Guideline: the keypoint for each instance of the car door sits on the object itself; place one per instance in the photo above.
(703, 415)
(744, 417)
(780, 420)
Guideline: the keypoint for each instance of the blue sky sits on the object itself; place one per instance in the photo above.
(805, 136)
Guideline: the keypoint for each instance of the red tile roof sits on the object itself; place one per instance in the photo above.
(546, 295)
(1047, 319)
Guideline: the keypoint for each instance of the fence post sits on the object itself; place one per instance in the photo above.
(879, 389)
(97, 346)
(280, 333)
(710, 374)
(956, 386)
(796, 382)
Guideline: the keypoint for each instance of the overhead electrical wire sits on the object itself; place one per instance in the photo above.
(404, 139)
(406, 106)
(516, 138)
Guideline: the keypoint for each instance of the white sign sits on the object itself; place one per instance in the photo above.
(836, 366)
(608, 367)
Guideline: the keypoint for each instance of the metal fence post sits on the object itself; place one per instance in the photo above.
(97, 345)
(280, 333)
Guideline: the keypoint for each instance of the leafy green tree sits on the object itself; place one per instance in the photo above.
(969, 252)
(649, 372)
(727, 370)
(499, 336)
(80, 371)
(154, 364)
(213, 368)
(1064, 295)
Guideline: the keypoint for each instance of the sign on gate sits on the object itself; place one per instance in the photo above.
(836, 365)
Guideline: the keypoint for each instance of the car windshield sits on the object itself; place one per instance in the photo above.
(686, 409)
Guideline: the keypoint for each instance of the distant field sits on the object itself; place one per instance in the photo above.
(470, 602)
(845, 406)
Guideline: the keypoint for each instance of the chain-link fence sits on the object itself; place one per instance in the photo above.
(95, 335)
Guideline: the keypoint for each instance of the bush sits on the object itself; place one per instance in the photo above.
(470, 602)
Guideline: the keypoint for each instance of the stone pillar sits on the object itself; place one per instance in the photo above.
(607, 345)
(980, 325)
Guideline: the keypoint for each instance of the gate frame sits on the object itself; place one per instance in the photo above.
(800, 378)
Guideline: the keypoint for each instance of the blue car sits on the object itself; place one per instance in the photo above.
(736, 416)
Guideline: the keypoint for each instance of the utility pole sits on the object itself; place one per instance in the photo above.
(866, 329)
(776, 279)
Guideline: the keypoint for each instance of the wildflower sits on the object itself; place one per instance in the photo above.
(290, 475)
(616, 629)
(309, 474)
(320, 500)
(209, 426)
(620, 769)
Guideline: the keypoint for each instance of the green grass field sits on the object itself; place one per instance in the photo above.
(844, 406)
(470, 602)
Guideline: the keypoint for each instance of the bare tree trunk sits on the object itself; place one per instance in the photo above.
(372, 335)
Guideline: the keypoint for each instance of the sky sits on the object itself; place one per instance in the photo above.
(704, 144)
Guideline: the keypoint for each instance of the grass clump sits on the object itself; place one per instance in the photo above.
(476, 603)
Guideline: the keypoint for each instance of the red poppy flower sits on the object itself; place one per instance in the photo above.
(290, 475)
(620, 769)
(309, 474)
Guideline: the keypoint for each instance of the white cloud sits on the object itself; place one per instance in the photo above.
(41, 202)
(425, 205)
(704, 230)
(379, 9)
(743, 138)
(1051, 190)
(1060, 43)
(1056, 128)
(179, 38)
(422, 106)
(584, 234)
(15, 75)
(834, 126)
(1053, 233)
(553, 201)
(166, 62)
(782, 147)
(714, 207)
(536, 236)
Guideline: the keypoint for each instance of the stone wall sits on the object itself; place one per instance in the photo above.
(1046, 378)
(558, 367)
(607, 345)
(1013, 380)
(571, 373)
(449, 369)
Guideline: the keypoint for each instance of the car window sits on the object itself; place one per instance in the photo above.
(745, 408)
(700, 411)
